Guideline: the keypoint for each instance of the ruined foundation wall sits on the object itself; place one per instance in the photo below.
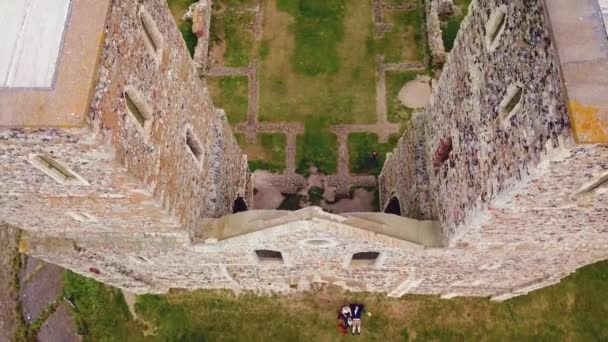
(145, 52)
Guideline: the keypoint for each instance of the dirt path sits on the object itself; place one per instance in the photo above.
(222, 71)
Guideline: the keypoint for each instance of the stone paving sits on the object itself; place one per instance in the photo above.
(289, 182)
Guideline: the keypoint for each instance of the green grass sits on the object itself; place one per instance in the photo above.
(573, 310)
(230, 28)
(316, 147)
(266, 153)
(318, 29)
(231, 94)
(291, 202)
(361, 146)
(315, 195)
(101, 313)
(395, 80)
(405, 41)
(318, 66)
(234, 3)
(451, 26)
(178, 8)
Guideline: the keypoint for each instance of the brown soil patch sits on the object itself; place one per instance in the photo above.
(415, 94)
(267, 196)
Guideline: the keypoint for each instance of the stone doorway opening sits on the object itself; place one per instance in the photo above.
(239, 205)
(393, 207)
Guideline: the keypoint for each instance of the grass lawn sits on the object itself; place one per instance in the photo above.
(451, 26)
(316, 64)
(178, 8)
(100, 313)
(267, 153)
(231, 42)
(406, 40)
(360, 148)
(573, 310)
(230, 93)
(395, 80)
(316, 147)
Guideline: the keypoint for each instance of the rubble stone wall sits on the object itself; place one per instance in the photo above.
(168, 83)
(489, 153)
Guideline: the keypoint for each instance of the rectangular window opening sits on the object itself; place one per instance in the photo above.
(194, 145)
(52, 166)
(135, 112)
(511, 102)
(56, 170)
(364, 259)
(81, 216)
(500, 21)
(147, 33)
(137, 108)
(269, 256)
(597, 183)
(495, 26)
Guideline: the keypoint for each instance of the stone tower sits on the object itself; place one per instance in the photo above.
(121, 169)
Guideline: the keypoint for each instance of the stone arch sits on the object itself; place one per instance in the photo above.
(393, 206)
(239, 205)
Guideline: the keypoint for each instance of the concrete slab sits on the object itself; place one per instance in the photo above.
(34, 31)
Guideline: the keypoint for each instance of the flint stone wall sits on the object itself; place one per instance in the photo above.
(489, 156)
(169, 83)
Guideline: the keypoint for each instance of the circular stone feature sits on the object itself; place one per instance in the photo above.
(416, 93)
(320, 242)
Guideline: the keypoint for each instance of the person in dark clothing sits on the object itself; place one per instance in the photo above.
(357, 311)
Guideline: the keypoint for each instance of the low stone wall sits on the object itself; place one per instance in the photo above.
(433, 31)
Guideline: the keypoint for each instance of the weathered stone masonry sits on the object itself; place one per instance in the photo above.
(143, 181)
(512, 180)
(498, 199)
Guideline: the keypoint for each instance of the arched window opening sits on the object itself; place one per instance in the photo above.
(239, 205)
(393, 207)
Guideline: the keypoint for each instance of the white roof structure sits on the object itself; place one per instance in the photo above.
(32, 36)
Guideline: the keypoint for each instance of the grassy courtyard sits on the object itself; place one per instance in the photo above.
(317, 65)
(573, 310)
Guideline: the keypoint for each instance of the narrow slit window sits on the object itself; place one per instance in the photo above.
(56, 170)
(144, 259)
(148, 34)
(597, 183)
(138, 110)
(152, 36)
(194, 145)
(269, 256)
(511, 103)
(495, 27)
(364, 259)
(81, 216)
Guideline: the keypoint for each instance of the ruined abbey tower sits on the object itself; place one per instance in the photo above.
(117, 165)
